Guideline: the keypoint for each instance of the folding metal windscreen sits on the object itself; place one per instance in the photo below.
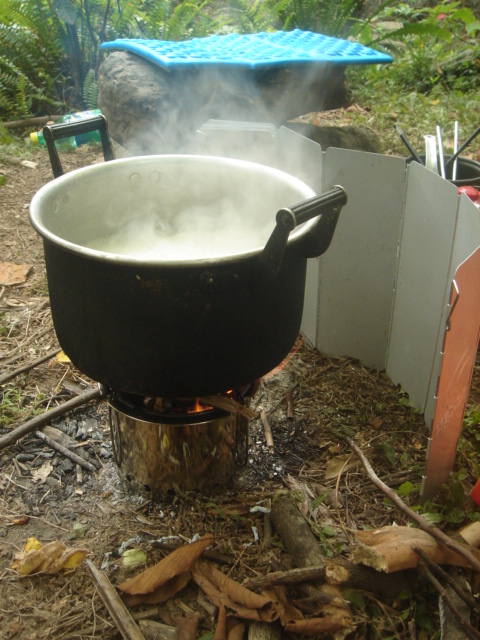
(382, 291)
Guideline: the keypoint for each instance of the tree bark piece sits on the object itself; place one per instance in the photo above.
(119, 612)
(40, 420)
(153, 630)
(392, 549)
(264, 631)
(462, 550)
(294, 531)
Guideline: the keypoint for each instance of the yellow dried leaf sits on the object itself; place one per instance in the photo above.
(62, 357)
(71, 559)
(49, 558)
(31, 563)
(32, 543)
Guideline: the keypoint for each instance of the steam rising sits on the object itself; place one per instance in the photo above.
(196, 232)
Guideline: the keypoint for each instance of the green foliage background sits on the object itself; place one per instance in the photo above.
(50, 50)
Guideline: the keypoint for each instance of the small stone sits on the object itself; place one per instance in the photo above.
(67, 465)
(25, 457)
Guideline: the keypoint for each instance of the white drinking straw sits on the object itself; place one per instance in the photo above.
(455, 147)
(440, 152)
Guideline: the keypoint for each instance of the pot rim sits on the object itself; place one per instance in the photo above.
(305, 192)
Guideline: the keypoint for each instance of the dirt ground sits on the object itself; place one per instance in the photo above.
(44, 495)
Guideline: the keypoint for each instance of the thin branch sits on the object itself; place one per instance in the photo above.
(446, 577)
(466, 626)
(36, 422)
(28, 366)
(441, 537)
(117, 609)
(65, 452)
(292, 576)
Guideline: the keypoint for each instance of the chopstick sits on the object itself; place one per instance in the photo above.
(465, 144)
(407, 143)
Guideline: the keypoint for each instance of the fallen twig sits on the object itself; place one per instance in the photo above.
(40, 420)
(462, 550)
(447, 578)
(289, 401)
(30, 122)
(119, 612)
(267, 429)
(65, 452)
(292, 576)
(153, 630)
(30, 365)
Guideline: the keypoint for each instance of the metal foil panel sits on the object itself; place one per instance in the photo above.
(422, 283)
(356, 275)
(459, 352)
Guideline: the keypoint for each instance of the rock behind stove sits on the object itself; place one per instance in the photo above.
(150, 110)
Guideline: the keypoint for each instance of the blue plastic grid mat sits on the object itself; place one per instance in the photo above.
(251, 51)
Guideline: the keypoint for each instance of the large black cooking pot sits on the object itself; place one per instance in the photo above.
(198, 318)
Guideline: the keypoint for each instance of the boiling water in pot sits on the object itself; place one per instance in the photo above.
(196, 232)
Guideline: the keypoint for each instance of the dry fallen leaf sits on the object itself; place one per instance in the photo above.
(70, 559)
(62, 357)
(42, 473)
(223, 591)
(13, 273)
(160, 582)
(338, 465)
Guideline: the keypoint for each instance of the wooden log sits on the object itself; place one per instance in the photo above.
(294, 531)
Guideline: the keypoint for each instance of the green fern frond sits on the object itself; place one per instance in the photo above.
(90, 90)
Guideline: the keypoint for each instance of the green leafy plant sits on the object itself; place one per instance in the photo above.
(422, 47)
(30, 55)
(90, 90)
(322, 16)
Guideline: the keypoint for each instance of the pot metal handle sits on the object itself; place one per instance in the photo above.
(327, 205)
(65, 129)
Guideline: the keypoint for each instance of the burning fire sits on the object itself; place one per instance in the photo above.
(198, 407)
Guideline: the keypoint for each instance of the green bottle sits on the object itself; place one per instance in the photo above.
(70, 142)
